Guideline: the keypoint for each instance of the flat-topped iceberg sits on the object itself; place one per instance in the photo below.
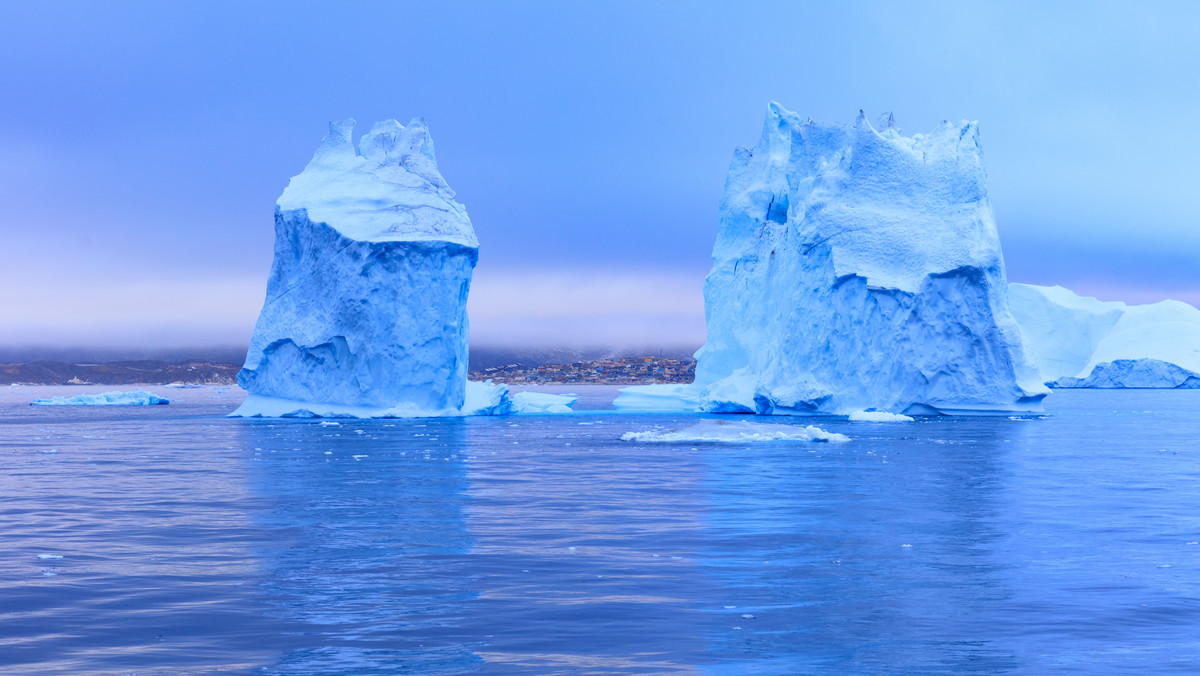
(115, 398)
(365, 312)
(1076, 341)
(857, 269)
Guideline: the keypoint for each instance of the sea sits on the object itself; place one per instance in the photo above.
(175, 540)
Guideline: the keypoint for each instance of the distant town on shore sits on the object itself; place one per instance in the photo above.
(604, 371)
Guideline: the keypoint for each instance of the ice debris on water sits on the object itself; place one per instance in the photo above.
(49, 556)
(724, 431)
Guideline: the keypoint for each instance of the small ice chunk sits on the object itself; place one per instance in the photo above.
(49, 556)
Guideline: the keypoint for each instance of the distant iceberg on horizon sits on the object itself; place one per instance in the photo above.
(1080, 342)
(856, 269)
(365, 312)
(114, 398)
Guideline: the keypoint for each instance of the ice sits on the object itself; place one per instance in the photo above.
(1076, 341)
(1134, 373)
(878, 416)
(855, 269)
(115, 398)
(365, 311)
(541, 403)
(725, 431)
(486, 399)
(664, 398)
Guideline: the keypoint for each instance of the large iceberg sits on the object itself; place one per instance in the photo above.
(365, 312)
(857, 269)
(1076, 341)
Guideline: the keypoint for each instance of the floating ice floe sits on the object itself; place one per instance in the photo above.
(726, 431)
(116, 398)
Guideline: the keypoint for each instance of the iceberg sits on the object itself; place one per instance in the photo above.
(115, 398)
(542, 403)
(877, 417)
(856, 269)
(725, 431)
(365, 311)
(1077, 341)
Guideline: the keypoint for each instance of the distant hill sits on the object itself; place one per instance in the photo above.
(118, 373)
(220, 365)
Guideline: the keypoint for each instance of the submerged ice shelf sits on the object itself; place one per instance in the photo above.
(855, 269)
(365, 312)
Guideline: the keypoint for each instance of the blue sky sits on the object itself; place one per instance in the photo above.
(144, 144)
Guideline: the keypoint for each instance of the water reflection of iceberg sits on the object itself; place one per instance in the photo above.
(854, 558)
(587, 548)
(366, 544)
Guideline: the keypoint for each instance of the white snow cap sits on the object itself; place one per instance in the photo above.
(387, 190)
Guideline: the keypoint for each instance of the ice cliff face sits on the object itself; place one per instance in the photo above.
(1075, 341)
(856, 268)
(365, 311)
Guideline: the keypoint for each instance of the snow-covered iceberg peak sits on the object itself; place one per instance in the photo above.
(856, 268)
(387, 190)
(365, 313)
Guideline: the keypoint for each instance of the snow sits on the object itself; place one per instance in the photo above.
(365, 310)
(1076, 341)
(541, 403)
(115, 398)
(854, 269)
(878, 416)
(725, 431)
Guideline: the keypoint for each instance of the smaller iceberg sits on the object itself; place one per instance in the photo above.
(661, 398)
(116, 398)
(729, 432)
(1076, 341)
(542, 403)
(1133, 374)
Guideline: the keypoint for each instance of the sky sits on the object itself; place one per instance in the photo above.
(143, 145)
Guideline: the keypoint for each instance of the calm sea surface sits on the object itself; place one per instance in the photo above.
(191, 543)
